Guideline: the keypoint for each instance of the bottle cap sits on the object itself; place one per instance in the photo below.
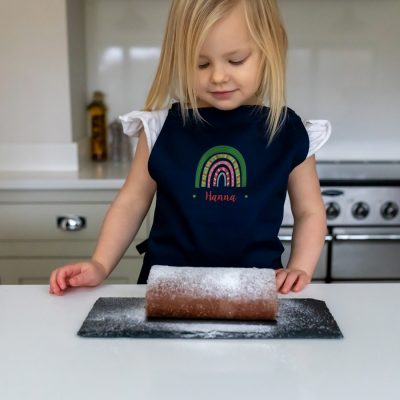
(98, 95)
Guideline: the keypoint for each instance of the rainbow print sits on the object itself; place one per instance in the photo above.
(221, 166)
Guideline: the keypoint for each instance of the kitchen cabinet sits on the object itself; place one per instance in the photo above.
(32, 210)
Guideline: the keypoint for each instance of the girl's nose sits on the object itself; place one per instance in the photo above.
(218, 74)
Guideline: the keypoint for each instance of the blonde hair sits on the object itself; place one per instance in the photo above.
(188, 24)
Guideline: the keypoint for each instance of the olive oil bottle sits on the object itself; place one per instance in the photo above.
(97, 121)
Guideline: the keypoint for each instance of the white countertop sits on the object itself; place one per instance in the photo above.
(91, 175)
(43, 358)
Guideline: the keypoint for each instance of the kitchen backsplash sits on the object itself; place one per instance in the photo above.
(343, 65)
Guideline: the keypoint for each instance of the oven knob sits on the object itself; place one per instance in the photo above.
(332, 210)
(360, 210)
(389, 210)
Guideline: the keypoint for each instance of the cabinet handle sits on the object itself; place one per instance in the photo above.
(71, 223)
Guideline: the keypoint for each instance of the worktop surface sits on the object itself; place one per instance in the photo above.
(43, 358)
(111, 175)
(90, 175)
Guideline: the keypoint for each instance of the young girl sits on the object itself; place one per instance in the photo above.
(219, 160)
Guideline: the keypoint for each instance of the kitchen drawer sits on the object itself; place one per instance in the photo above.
(40, 221)
(37, 271)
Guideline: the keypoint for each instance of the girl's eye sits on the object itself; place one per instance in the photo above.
(237, 62)
(203, 66)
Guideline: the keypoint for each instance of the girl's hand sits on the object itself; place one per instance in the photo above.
(86, 273)
(288, 279)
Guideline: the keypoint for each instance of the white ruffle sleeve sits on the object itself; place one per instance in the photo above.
(151, 121)
(319, 131)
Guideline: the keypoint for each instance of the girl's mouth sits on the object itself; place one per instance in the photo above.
(223, 95)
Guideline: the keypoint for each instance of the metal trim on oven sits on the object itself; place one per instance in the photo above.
(342, 237)
(288, 238)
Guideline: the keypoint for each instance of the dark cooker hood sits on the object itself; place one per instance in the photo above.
(356, 173)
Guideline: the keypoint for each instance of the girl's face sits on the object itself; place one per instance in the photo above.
(227, 74)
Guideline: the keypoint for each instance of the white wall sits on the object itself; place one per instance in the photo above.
(344, 60)
(35, 113)
(123, 41)
(77, 67)
(35, 90)
(344, 63)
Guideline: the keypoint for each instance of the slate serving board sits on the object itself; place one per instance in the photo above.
(126, 317)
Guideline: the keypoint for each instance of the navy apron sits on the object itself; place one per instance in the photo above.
(221, 189)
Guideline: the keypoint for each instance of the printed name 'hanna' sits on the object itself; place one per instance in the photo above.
(220, 197)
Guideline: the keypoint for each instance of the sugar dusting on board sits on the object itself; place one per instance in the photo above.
(206, 292)
(126, 317)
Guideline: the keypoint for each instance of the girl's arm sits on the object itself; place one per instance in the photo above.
(120, 226)
(309, 227)
(127, 211)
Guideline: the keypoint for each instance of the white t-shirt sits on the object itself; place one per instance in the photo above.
(319, 130)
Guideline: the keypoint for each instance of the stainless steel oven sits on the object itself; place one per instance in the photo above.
(366, 253)
(362, 202)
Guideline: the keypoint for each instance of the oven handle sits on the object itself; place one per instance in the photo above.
(288, 238)
(376, 237)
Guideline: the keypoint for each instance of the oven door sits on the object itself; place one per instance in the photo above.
(320, 273)
(366, 253)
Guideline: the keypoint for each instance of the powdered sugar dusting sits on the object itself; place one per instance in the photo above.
(249, 283)
(205, 292)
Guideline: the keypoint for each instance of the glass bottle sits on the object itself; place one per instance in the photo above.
(120, 147)
(115, 141)
(97, 127)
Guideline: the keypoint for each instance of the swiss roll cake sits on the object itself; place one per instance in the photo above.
(211, 293)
